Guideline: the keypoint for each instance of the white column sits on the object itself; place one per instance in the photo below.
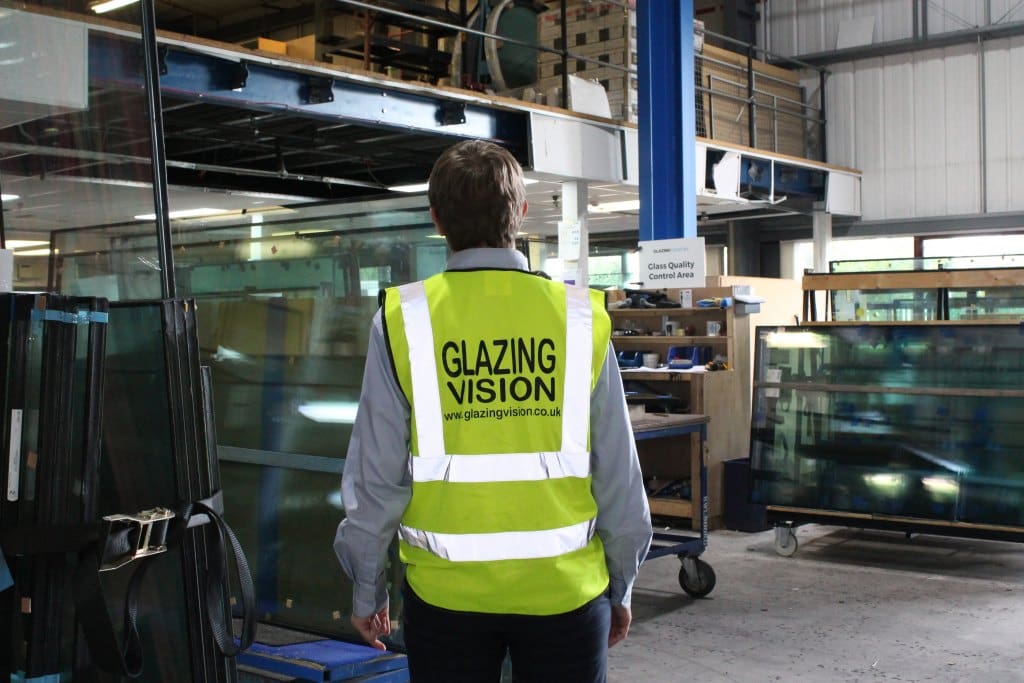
(573, 235)
(256, 237)
(821, 222)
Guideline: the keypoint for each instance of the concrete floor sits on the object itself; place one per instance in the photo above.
(851, 605)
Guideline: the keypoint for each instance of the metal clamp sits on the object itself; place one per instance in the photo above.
(144, 522)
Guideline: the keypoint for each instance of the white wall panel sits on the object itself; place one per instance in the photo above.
(954, 15)
(898, 151)
(870, 134)
(799, 27)
(1007, 10)
(929, 131)
(999, 129)
(910, 123)
(961, 139)
(840, 96)
(1004, 103)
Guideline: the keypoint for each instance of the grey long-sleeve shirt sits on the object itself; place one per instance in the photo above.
(376, 486)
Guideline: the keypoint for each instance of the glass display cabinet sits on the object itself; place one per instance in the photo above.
(902, 290)
(913, 427)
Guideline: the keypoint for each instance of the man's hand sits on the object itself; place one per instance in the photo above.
(621, 618)
(373, 627)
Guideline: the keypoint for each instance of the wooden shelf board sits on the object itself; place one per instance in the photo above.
(658, 312)
(670, 507)
(675, 341)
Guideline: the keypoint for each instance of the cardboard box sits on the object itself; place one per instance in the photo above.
(303, 48)
(267, 45)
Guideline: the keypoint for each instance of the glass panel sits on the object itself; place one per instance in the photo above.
(285, 299)
(920, 421)
(885, 305)
(932, 263)
(609, 265)
(989, 303)
(74, 146)
(136, 415)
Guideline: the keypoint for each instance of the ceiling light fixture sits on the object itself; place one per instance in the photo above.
(185, 213)
(611, 207)
(26, 244)
(110, 5)
(423, 187)
(415, 187)
(8, 197)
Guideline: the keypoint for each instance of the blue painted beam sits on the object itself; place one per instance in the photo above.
(197, 76)
(668, 195)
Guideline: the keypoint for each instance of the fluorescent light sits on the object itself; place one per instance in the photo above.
(795, 340)
(33, 252)
(611, 207)
(333, 412)
(8, 197)
(185, 213)
(883, 480)
(25, 244)
(940, 485)
(111, 5)
(416, 187)
(423, 187)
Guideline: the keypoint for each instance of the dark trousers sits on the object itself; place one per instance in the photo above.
(469, 647)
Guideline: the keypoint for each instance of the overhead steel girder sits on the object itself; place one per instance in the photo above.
(114, 60)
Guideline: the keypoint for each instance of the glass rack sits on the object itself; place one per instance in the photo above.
(921, 421)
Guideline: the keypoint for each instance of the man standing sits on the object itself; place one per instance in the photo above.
(493, 436)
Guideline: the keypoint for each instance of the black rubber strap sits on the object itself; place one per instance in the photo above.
(217, 604)
(103, 543)
(97, 626)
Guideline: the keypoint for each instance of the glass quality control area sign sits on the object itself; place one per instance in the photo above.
(672, 263)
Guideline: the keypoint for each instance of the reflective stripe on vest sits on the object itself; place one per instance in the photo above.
(433, 463)
(504, 545)
(501, 467)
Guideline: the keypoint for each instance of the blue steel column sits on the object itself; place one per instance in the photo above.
(668, 197)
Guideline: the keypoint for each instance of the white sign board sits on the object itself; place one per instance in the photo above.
(672, 263)
(568, 240)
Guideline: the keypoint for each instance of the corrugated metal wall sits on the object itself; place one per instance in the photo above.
(800, 27)
(911, 122)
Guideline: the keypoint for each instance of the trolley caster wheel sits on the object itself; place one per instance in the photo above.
(785, 541)
(696, 577)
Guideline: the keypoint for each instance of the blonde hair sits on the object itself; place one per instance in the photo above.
(477, 193)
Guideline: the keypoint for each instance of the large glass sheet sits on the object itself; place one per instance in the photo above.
(885, 305)
(919, 421)
(74, 147)
(929, 263)
(138, 473)
(285, 296)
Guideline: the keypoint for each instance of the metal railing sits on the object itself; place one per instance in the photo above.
(813, 116)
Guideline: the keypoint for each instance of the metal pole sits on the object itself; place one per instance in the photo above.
(158, 159)
(3, 227)
(751, 122)
(821, 113)
(924, 19)
(565, 55)
(982, 130)
(913, 19)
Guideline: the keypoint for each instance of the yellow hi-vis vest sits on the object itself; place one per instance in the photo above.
(498, 367)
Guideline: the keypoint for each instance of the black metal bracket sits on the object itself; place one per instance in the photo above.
(237, 76)
(161, 52)
(452, 113)
(319, 90)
